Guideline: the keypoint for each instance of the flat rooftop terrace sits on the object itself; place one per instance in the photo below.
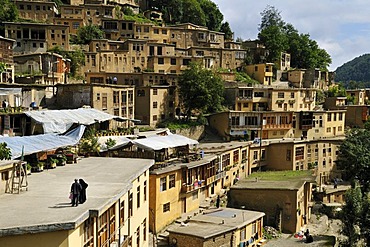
(275, 180)
(46, 207)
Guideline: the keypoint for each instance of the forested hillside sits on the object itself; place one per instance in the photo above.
(356, 70)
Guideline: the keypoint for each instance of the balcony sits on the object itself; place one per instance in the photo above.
(215, 177)
(277, 126)
(308, 99)
(192, 187)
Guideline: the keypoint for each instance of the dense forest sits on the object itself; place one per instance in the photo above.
(355, 73)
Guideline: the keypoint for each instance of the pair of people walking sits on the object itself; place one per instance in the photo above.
(78, 192)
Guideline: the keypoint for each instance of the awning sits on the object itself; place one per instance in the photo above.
(59, 121)
(124, 119)
(39, 143)
(160, 142)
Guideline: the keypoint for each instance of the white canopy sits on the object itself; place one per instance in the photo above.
(59, 121)
(121, 141)
(38, 143)
(160, 142)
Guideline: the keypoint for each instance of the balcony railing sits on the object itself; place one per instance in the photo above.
(192, 187)
(277, 126)
(215, 177)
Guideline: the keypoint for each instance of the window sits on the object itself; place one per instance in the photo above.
(235, 157)
(292, 95)
(160, 60)
(155, 117)
(171, 181)
(329, 117)
(104, 101)
(186, 61)
(156, 31)
(138, 237)
(254, 228)
(263, 155)
(155, 91)
(288, 155)
(130, 211)
(235, 121)
(164, 31)
(258, 94)
(340, 128)
(173, 61)
(115, 97)
(163, 184)
(144, 229)
(281, 95)
(255, 155)
(225, 160)
(250, 120)
(138, 196)
(166, 207)
(75, 25)
(299, 153)
(122, 213)
(280, 105)
(140, 93)
(145, 190)
(340, 116)
(328, 130)
(155, 104)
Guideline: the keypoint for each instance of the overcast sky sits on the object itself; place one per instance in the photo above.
(341, 27)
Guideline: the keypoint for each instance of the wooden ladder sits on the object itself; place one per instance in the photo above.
(18, 179)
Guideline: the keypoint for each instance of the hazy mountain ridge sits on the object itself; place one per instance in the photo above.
(358, 69)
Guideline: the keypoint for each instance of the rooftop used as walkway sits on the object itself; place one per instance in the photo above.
(218, 221)
(46, 206)
(275, 180)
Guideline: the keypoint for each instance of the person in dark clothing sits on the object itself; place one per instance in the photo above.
(218, 201)
(75, 190)
(84, 185)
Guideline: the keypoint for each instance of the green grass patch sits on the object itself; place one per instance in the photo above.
(177, 124)
(280, 175)
(138, 18)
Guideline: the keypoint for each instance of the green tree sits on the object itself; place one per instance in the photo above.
(193, 13)
(274, 40)
(354, 157)
(365, 220)
(336, 91)
(278, 36)
(199, 12)
(213, 15)
(225, 28)
(270, 16)
(87, 33)
(5, 152)
(8, 11)
(351, 215)
(77, 58)
(200, 90)
(2, 67)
